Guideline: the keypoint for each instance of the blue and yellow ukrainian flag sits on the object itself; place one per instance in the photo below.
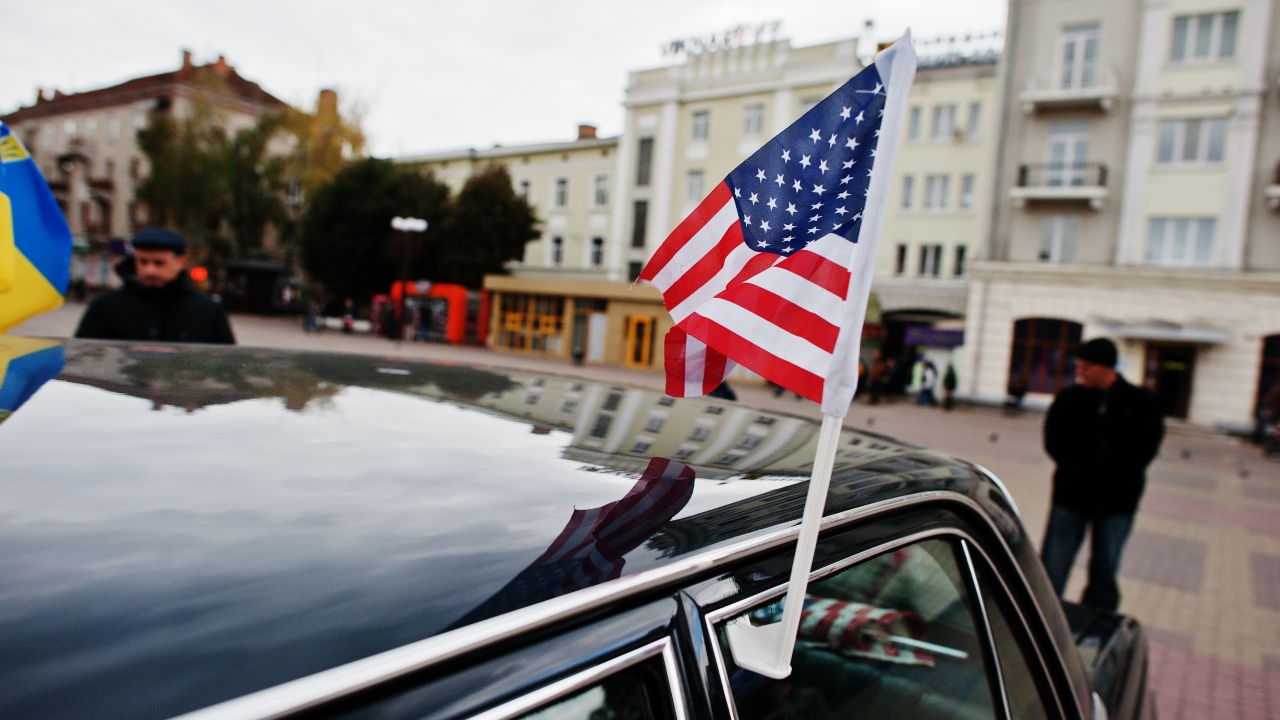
(35, 242)
(25, 365)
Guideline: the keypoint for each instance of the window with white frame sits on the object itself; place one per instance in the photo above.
(753, 120)
(561, 199)
(693, 186)
(1058, 235)
(112, 127)
(524, 189)
(1180, 242)
(1193, 140)
(139, 120)
(1078, 57)
(1067, 153)
(908, 189)
(944, 122)
(69, 129)
(600, 191)
(930, 260)
(966, 192)
(957, 269)
(597, 252)
(900, 259)
(936, 190)
(913, 125)
(91, 128)
(701, 125)
(557, 250)
(975, 120)
(1204, 38)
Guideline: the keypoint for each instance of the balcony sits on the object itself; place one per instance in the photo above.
(1045, 92)
(1272, 192)
(1061, 183)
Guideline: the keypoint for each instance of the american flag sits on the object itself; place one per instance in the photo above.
(772, 270)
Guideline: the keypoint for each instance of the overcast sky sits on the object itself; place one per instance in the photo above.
(429, 75)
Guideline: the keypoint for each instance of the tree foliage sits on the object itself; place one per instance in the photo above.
(488, 225)
(347, 241)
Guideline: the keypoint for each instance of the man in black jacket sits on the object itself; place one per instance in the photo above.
(1102, 433)
(158, 301)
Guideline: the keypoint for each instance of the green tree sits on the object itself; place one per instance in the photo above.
(183, 189)
(253, 183)
(347, 242)
(488, 225)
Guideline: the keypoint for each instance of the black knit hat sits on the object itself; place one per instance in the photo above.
(159, 239)
(1099, 351)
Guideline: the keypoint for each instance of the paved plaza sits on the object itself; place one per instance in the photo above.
(1201, 571)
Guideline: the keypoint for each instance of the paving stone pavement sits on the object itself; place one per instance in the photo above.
(1201, 571)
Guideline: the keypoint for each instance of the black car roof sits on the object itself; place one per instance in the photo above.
(184, 525)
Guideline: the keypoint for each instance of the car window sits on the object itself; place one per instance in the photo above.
(891, 637)
(639, 692)
(1022, 685)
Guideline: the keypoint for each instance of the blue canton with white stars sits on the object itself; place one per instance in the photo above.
(812, 179)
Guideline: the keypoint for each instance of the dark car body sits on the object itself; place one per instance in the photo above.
(239, 533)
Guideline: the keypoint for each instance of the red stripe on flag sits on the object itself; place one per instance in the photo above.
(755, 358)
(705, 269)
(713, 370)
(673, 349)
(756, 265)
(686, 230)
(819, 271)
(785, 314)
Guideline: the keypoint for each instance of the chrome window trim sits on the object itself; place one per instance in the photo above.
(1008, 497)
(721, 614)
(972, 575)
(548, 693)
(307, 692)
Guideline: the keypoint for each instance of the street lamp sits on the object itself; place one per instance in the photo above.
(404, 226)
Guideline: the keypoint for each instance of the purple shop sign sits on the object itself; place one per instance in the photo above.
(933, 337)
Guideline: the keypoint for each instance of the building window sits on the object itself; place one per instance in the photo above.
(944, 122)
(753, 120)
(701, 125)
(561, 199)
(639, 220)
(1204, 38)
(644, 162)
(1192, 141)
(139, 120)
(1058, 235)
(693, 186)
(1068, 153)
(908, 189)
(524, 189)
(966, 192)
(633, 270)
(930, 260)
(958, 268)
(900, 260)
(557, 251)
(69, 130)
(1043, 355)
(1079, 56)
(113, 128)
(936, 190)
(975, 120)
(109, 169)
(531, 322)
(913, 125)
(597, 252)
(601, 193)
(135, 168)
(1180, 242)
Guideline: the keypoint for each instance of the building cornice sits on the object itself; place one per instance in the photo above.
(1125, 276)
(502, 151)
(640, 292)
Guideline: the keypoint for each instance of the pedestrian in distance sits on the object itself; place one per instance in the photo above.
(348, 316)
(1102, 433)
(879, 373)
(928, 381)
(949, 387)
(158, 300)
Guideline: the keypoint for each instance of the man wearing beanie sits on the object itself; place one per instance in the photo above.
(1102, 433)
(158, 301)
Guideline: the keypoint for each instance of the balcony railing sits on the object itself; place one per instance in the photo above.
(1092, 90)
(1061, 182)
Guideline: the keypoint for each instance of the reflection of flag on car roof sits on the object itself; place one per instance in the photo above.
(25, 365)
(35, 243)
(591, 547)
(772, 270)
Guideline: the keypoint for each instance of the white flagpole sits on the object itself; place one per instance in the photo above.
(766, 649)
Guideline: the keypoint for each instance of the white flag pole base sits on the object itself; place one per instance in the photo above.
(766, 649)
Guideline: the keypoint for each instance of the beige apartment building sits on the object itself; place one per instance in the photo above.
(1136, 199)
(607, 204)
(86, 146)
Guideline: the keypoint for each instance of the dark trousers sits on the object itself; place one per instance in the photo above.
(1062, 540)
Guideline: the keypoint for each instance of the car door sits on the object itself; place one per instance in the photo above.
(904, 618)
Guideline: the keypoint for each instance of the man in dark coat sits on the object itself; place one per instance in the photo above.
(158, 301)
(1102, 433)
